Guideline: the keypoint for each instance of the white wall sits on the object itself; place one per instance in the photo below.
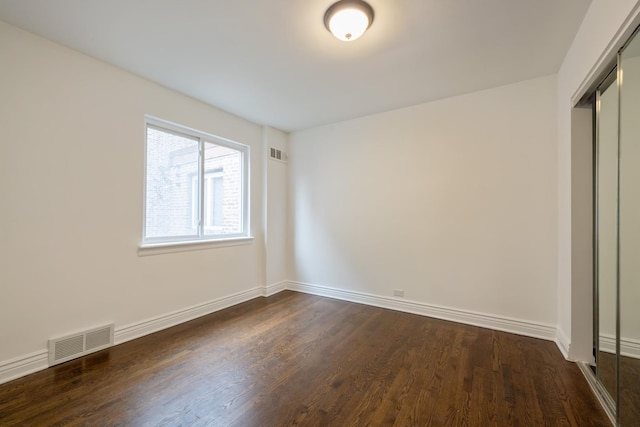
(276, 211)
(71, 185)
(453, 201)
(605, 26)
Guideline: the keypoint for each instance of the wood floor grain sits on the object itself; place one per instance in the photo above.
(302, 360)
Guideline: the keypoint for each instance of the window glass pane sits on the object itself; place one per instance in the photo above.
(172, 163)
(223, 190)
(213, 192)
(217, 217)
(195, 186)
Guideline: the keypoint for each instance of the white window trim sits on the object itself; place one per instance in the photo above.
(151, 246)
(193, 245)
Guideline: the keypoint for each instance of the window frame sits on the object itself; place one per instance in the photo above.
(209, 175)
(202, 235)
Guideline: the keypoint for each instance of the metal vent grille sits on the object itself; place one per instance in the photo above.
(98, 338)
(68, 347)
(276, 154)
(82, 343)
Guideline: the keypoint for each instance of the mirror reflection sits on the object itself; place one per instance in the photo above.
(607, 232)
(629, 235)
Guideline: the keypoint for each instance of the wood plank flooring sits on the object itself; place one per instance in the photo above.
(300, 360)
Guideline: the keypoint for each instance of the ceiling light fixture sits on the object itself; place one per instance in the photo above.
(348, 19)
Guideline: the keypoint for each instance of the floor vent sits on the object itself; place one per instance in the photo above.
(276, 154)
(76, 345)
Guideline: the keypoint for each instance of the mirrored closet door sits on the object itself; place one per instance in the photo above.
(617, 237)
(606, 193)
(629, 235)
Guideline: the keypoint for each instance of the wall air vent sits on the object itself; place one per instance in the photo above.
(276, 154)
(82, 343)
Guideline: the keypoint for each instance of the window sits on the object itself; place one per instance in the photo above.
(195, 186)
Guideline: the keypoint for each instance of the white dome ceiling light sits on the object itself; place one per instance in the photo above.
(348, 19)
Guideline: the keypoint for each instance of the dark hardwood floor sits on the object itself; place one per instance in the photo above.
(296, 359)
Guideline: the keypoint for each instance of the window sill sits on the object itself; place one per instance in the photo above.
(171, 247)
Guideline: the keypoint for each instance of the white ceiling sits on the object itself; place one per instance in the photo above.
(274, 63)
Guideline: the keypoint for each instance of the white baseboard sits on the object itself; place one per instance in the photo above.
(275, 288)
(24, 365)
(30, 363)
(149, 326)
(563, 343)
(629, 347)
(515, 326)
(21, 366)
